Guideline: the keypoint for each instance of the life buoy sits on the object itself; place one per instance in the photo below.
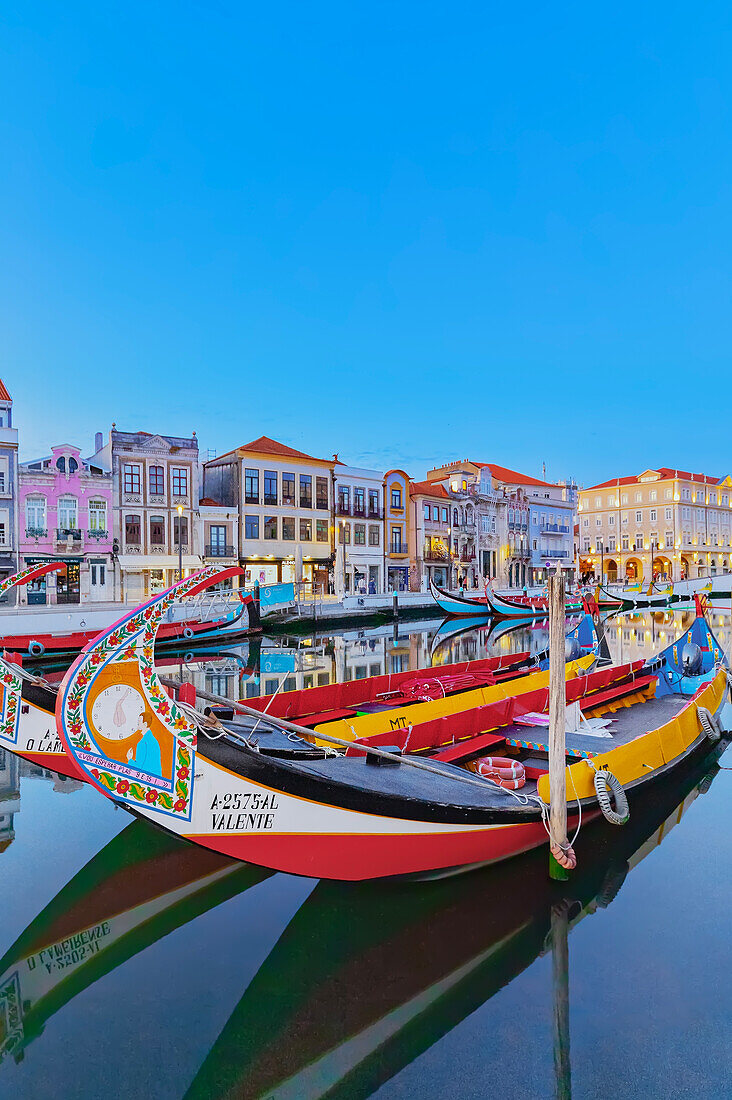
(501, 770)
(187, 632)
(608, 788)
(36, 648)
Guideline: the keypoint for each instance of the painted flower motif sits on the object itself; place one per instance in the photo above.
(151, 797)
(181, 723)
(95, 773)
(129, 654)
(163, 707)
(180, 806)
(183, 773)
(96, 657)
(75, 727)
(123, 786)
(147, 673)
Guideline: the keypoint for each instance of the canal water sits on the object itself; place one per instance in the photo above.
(132, 965)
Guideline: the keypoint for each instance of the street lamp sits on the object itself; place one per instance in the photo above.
(180, 542)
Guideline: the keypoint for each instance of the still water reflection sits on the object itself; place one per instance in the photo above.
(133, 965)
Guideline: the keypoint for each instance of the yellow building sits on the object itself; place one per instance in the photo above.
(396, 530)
(663, 523)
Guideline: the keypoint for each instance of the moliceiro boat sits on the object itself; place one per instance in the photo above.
(277, 795)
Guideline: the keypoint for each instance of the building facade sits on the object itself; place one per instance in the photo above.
(396, 531)
(219, 534)
(155, 506)
(284, 498)
(8, 492)
(359, 522)
(430, 535)
(509, 527)
(65, 505)
(660, 523)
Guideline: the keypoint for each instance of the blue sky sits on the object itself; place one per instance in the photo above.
(403, 232)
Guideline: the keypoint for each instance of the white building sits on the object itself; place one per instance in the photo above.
(358, 495)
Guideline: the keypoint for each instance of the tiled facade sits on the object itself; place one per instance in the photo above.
(359, 522)
(65, 510)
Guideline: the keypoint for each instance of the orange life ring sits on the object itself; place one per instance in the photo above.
(501, 770)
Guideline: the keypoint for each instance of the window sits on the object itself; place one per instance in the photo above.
(427, 512)
(270, 487)
(157, 530)
(251, 527)
(98, 516)
(67, 514)
(638, 517)
(35, 515)
(653, 515)
(217, 538)
(653, 495)
(251, 486)
(586, 521)
(374, 536)
(156, 478)
(396, 539)
(444, 515)
(638, 542)
(306, 491)
(624, 498)
(436, 514)
(667, 494)
(344, 500)
(288, 489)
(131, 478)
(359, 534)
(598, 521)
(344, 533)
(321, 492)
(180, 481)
(668, 513)
(396, 498)
(97, 574)
(611, 519)
(270, 527)
(598, 502)
(321, 530)
(373, 502)
(288, 527)
(669, 539)
(306, 530)
(611, 542)
(638, 498)
(624, 542)
(359, 502)
(132, 530)
(180, 530)
(61, 464)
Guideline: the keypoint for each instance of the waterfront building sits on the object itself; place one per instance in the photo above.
(359, 521)
(663, 523)
(284, 499)
(65, 506)
(509, 525)
(8, 491)
(430, 532)
(9, 796)
(155, 481)
(219, 534)
(396, 531)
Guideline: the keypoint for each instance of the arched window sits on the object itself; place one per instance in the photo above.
(61, 464)
(454, 517)
(73, 465)
(157, 530)
(67, 513)
(35, 515)
(132, 530)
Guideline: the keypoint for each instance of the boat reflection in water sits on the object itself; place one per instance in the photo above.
(363, 979)
(367, 977)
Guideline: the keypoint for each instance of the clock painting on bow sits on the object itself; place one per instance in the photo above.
(116, 711)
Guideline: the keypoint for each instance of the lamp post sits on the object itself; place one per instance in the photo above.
(180, 542)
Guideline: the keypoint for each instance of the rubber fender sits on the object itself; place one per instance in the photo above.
(609, 789)
(36, 648)
(187, 632)
(708, 723)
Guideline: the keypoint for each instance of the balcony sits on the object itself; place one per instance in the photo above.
(550, 554)
(436, 555)
(98, 534)
(36, 532)
(375, 513)
(343, 508)
(467, 555)
(555, 529)
(217, 550)
(63, 534)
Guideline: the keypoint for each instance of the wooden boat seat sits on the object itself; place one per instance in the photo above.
(464, 749)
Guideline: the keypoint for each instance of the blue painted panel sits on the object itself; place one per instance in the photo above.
(271, 594)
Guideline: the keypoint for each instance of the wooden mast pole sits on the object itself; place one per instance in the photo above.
(561, 856)
(560, 1001)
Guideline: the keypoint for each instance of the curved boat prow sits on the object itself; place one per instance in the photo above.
(116, 720)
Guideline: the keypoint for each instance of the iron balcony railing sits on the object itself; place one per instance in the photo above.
(97, 534)
(218, 550)
(64, 533)
(36, 532)
(343, 508)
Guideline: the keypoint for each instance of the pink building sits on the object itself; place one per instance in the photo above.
(65, 513)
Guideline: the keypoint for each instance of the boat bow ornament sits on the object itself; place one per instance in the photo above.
(128, 737)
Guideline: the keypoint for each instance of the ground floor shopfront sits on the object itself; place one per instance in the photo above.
(316, 574)
(8, 566)
(81, 580)
(139, 578)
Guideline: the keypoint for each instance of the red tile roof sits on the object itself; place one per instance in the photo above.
(511, 477)
(428, 489)
(267, 446)
(666, 473)
(4, 395)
